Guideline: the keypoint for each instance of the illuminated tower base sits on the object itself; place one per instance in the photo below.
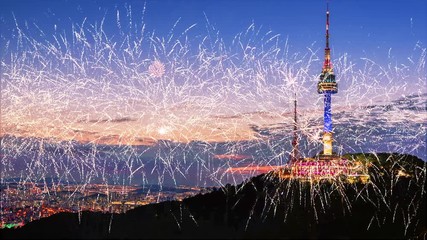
(327, 143)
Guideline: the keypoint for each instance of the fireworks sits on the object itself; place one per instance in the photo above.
(156, 69)
(82, 107)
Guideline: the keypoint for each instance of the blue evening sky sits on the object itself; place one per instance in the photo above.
(362, 28)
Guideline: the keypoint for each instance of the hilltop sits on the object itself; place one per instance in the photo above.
(393, 205)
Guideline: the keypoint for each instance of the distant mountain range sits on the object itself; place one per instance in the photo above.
(391, 206)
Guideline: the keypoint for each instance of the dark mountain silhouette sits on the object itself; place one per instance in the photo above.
(392, 206)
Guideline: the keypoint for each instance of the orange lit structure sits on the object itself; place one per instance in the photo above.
(331, 169)
(311, 168)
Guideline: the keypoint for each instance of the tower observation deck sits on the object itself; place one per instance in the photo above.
(327, 86)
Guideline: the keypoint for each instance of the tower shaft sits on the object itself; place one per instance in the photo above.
(327, 126)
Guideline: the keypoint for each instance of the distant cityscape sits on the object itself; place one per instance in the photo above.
(22, 203)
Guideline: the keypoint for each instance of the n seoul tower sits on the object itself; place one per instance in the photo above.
(327, 86)
(326, 165)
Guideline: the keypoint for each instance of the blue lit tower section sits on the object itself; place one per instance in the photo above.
(327, 86)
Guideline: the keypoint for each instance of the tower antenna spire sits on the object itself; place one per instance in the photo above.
(327, 65)
(327, 25)
(295, 151)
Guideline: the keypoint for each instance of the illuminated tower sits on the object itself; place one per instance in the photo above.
(327, 86)
(295, 153)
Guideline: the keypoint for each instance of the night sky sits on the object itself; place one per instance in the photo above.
(361, 28)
